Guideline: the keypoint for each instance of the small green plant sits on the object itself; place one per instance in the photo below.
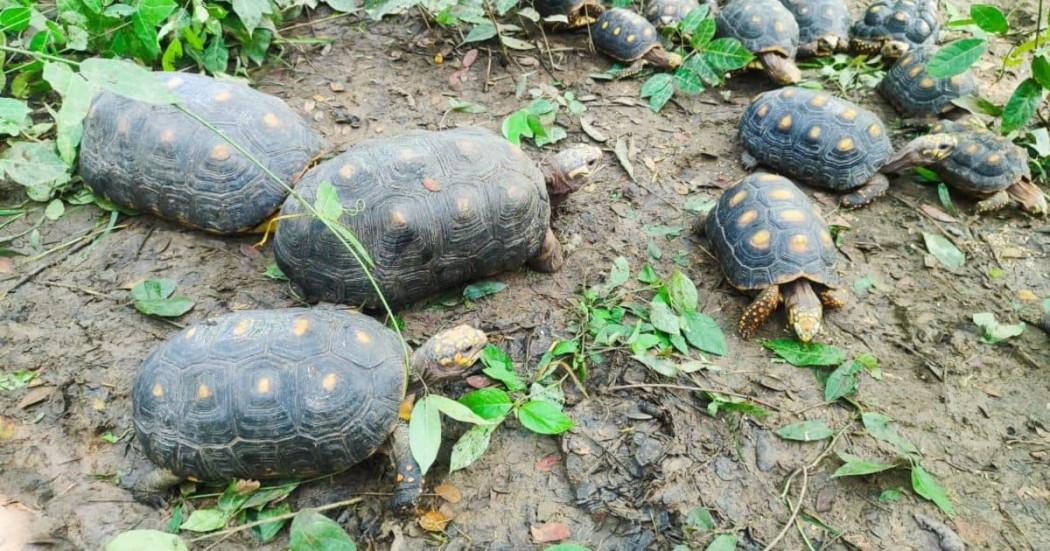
(153, 297)
(848, 73)
(538, 120)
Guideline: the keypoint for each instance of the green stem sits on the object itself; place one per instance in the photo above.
(39, 55)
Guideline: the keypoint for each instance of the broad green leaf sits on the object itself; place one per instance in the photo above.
(499, 366)
(424, 434)
(927, 175)
(490, 403)
(139, 540)
(705, 31)
(479, 32)
(216, 55)
(692, 19)
(456, 410)
(466, 106)
(233, 498)
(800, 354)
(662, 318)
(15, 19)
(879, 426)
(944, 251)
(733, 403)
(251, 12)
(14, 116)
(567, 547)
(727, 54)
(312, 531)
(1041, 71)
(516, 126)
(842, 381)
(470, 446)
(926, 486)
(956, 57)
(482, 289)
(127, 79)
(618, 275)
(268, 495)
(516, 43)
(682, 292)
(35, 165)
(543, 417)
(992, 332)
(205, 520)
(890, 495)
(989, 18)
(700, 520)
(172, 54)
(648, 275)
(77, 94)
(273, 271)
(945, 197)
(1022, 105)
(266, 532)
(686, 80)
(659, 89)
(153, 289)
(703, 332)
(724, 542)
(858, 466)
(806, 431)
(165, 308)
(663, 366)
(327, 202)
(55, 209)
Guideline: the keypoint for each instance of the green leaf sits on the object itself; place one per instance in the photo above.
(648, 275)
(479, 32)
(992, 332)
(516, 126)
(153, 298)
(890, 495)
(879, 426)
(499, 366)
(466, 106)
(456, 410)
(842, 381)
(266, 532)
(490, 403)
(662, 318)
(153, 289)
(1022, 105)
(14, 116)
(269, 495)
(77, 94)
(618, 275)
(543, 417)
(682, 292)
(956, 57)
(205, 520)
(470, 446)
(16, 380)
(424, 434)
(251, 12)
(172, 54)
(663, 366)
(55, 209)
(806, 431)
(273, 271)
(216, 55)
(36, 166)
(327, 203)
(483, 289)
(733, 403)
(1041, 71)
(857, 466)
(567, 547)
(312, 531)
(800, 354)
(700, 520)
(724, 542)
(944, 251)
(689, 23)
(127, 79)
(989, 18)
(705, 31)
(703, 332)
(926, 486)
(946, 199)
(138, 540)
(727, 54)
(15, 19)
(658, 89)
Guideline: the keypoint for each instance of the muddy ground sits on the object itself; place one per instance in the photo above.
(640, 458)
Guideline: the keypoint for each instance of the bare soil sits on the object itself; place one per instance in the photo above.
(640, 458)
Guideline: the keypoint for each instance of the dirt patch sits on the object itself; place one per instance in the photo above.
(641, 459)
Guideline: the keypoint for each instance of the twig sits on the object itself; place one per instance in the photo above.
(336, 505)
(695, 389)
(39, 269)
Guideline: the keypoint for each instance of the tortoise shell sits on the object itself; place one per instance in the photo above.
(269, 393)
(765, 231)
(815, 137)
(624, 35)
(760, 25)
(433, 210)
(667, 13)
(913, 22)
(571, 9)
(982, 162)
(914, 93)
(155, 158)
(819, 18)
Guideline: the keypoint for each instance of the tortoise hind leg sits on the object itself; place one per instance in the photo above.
(149, 484)
(874, 188)
(409, 479)
(997, 201)
(1030, 197)
(551, 257)
(760, 309)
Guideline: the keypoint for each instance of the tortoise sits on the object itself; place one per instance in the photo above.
(893, 27)
(578, 13)
(823, 26)
(767, 29)
(433, 210)
(914, 93)
(629, 38)
(158, 159)
(977, 162)
(770, 240)
(667, 13)
(291, 393)
(818, 139)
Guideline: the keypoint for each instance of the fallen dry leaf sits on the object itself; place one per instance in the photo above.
(35, 396)
(550, 531)
(478, 381)
(6, 265)
(588, 128)
(449, 493)
(470, 58)
(7, 428)
(1026, 295)
(937, 214)
(337, 86)
(433, 521)
(246, 486)
(250, 251)
(548, 462)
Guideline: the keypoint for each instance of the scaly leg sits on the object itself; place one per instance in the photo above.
(409, 479)
(875, 187)
(748, 160)
(997, 201)
(832, 299)
(551, 257)
(760, 309)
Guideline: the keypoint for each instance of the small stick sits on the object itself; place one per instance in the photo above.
(695, 389)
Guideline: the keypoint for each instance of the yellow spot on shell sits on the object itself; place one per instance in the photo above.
(768, 178)
(242, 327)
(123, 125)
(906, 60)
(271, 120)
(849, 114)
(818, 100)
(362, 337)
(158, 390)
(616, 31)
(263, 386)
(762, 110)
(956, 80)
(814, 133)
(788, 93)
(972, 149)
(300, 327)
(167, 136)
(220, 152)
(397, 217)
(926, 83)
(875, 9)
(760, 239)
(875, 131)
(463, 204)
(630, 38)
(346, 171)
(329, 382)
(756, 19)
(994, 159)
(223, 96)
(746, 218)
(785, 123)
(174, 82)
(914, 71)
(799, 243)
(648, 32)
(605, 25)
(792, 215)
(778, 26)
(900, 16)
(781, 194)
(191, 332)
(736, 199)
(845, 144)
(203, 392)
(467, 147)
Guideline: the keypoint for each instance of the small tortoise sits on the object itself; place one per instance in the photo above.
(893, 27)
(157, 159)
(578, 13)
(433, 210)
(977, 162)
(771, 240)
(823, 26)
(627, 37)
(667, 13)
(283, 393)
(767, 29)
(914, 93)
(818, 139)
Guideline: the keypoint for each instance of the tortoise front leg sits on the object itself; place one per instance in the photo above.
(760, 309)
(997, 201)
(805, 313)
(632, 69)
(409, 479)
(832, 299)
(149, 484)
(748, 161)
(780, 69)
(551, 257)
(875, 187)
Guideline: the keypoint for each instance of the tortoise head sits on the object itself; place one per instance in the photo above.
(893, 49)
(567, 171)
(922, 151)
(449, 353)
(829, 44)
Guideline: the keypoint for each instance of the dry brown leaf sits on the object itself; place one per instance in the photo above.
(35, 396)
(1026, 295)
(433, 521)
(449, 493)
(470, 58)
(937, 214)
(7, 428)
(478, 381)
(588, 128)
(548, 462)
(336, 86)
(550, 531)
(246, 486)
(6, 265)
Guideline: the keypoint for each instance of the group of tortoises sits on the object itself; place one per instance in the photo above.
(296, 392)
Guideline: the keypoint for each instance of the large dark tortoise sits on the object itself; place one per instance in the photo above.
(767, 29)
(914, 93)
(771, 240)
(818, 139)
(433, 210)
(157, 159)
(892, 28)
(823, 26)
(629, 38)
(283, 393)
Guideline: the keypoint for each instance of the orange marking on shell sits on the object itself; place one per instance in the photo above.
(792, 215)
(346, 171)
(271, 120)
(300, 327)
(158, 390)
(263, 386)
(927, 83)
(363, 337)
(788, 93)
(223, 96)
(785, 123)
(814, 133)
(914, 71)
(875, 130)
(818, 100)
(191, 332)
(736, 199)
(203, 392)
(799, 243)
(849, 114)
(845, 144)
(123, 126)
(431, 185)
(329, 382)
(747, 218)
(397, 218)
(220, 152)
(242, 327)
(781, 193)
(167, 136)
(760, 239)
(762, 110)
(956, 80)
